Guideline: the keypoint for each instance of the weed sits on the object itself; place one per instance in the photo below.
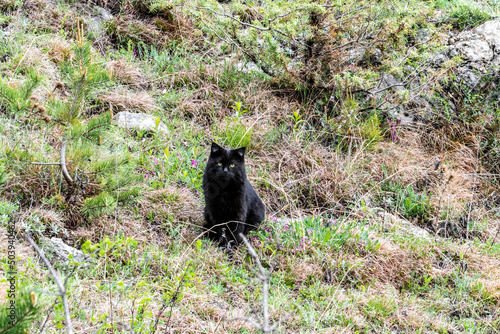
(468, 15)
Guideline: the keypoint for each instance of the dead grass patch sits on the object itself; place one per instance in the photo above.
(306, 177)
(45, 16)
(172, 202)
(59, 50)
(123, 100)
(126, 73)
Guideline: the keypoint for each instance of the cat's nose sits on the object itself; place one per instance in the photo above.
(225, 170)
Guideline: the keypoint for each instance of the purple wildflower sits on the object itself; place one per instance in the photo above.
(194, 163)
(392, 125)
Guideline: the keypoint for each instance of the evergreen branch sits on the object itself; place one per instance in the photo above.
(80, 85)
(57, 120)
(84, 134)
(5, 96)
(18, 321)
(57, 279)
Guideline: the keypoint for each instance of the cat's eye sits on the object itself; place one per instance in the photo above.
(220, 164)
(231, 165)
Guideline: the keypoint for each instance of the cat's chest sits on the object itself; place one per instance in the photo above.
(228, 205)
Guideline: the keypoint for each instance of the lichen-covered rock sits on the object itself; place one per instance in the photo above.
(139, 121)
(96, 21)
(490, 31)
(475, 50)
(479, 49)
(60, 253)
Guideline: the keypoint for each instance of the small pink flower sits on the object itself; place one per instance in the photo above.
(156, 161)
(194, 163)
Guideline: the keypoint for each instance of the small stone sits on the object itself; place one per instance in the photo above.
(139, 122)
(60, 253)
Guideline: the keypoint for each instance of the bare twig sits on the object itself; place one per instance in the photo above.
(42, 327)
(264, 277)
(173, 299)
(60, 285)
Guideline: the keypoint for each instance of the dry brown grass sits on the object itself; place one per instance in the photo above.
(46, 16)
(127, 73)
(307, 177)
(173, 202)
(59, 50)
(123, 100)
(409, 162)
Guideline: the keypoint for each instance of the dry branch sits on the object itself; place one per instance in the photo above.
(264, 277)
(60, 285)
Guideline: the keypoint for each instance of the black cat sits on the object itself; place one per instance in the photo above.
(232, 205)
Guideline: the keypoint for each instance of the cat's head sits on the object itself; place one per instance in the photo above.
(226, 163)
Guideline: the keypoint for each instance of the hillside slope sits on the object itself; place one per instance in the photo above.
(372, 134)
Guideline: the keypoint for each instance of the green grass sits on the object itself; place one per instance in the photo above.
(315, 155)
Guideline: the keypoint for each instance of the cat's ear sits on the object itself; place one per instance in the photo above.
(215, 148)
(240, 151)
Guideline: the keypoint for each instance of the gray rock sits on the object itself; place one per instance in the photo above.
(357, 54)
(480, 49)
(439, 59)
(103, 13)
(60, 253)
(490, 31)
(248, 67)
(475, 50)
(139, 121)
(468, 75)
(391, 220)
(96, 21)
(422, 35)
(373, 57)
(389, 80)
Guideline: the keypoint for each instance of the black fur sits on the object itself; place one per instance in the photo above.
(232, 205)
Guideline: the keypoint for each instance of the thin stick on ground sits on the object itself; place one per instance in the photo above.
(42, 326)
(264, 277)
(60, 285)
(173, 299)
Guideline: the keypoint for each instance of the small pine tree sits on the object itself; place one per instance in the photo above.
(16, 318)
(18, 98)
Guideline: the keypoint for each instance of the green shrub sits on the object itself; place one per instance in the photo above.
(468, 15)
(405, 200)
